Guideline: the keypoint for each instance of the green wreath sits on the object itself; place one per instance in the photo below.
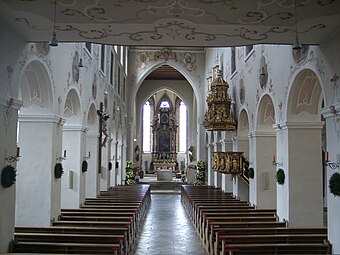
(84, 166)
(58, 170)
(8, 176)
(280, 176)
(110, 166)
(251, 173)
(334, 184)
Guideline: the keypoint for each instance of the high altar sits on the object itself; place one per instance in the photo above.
(164, 128)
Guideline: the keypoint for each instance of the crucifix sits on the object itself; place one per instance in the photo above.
(103, 117)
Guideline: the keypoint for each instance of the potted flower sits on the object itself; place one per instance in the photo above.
(130, 174)
(200, 175)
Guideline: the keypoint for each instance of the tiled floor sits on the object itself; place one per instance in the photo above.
(167, 229)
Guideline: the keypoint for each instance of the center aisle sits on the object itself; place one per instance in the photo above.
(167, 229)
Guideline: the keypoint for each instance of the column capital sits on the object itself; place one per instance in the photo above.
(331, 111)
(10, 102)
(71, 128)
(39, 118)
(298, 125)
(261, 133)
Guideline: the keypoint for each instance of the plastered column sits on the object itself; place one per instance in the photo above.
(299, 199)
(264, 172)
(217, 175)
(92, 175)
(8, 129)
(240, 188)
(226, 145)
(38, 191)
(105, 173)
(333, 148)
(210, 171)
(73, 179)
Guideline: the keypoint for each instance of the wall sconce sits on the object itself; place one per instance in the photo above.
(276, 163)
(54, 41)
(332, 165)
(11, 159)
(59, 159)
(88, 157)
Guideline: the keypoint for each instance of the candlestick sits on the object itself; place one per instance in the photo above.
(89, 154)
(64, 153)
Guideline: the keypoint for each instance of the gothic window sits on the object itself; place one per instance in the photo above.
(182, 127)
(146, 127)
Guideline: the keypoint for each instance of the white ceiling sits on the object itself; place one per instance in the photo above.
(174, 22)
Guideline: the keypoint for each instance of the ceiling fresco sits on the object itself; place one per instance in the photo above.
(174, 22)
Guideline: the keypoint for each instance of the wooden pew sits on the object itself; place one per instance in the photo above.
(276, 248)
(102, 225)
(266, 235)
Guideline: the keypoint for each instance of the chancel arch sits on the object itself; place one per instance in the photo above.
(192, 77)
(303, 126)
(263, 187)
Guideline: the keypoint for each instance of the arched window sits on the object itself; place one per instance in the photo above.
(182, 127)
(146, 127)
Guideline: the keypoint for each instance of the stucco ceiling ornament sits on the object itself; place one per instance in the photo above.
(219, 116)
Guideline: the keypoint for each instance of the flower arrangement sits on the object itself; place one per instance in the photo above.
(130, 175)
(198, 183)
(200, 165)
(199, 176)
(129, 165)
(130, 182)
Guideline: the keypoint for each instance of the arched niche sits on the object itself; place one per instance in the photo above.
(72, 107)
(265, 114)
(243, 124)
(36, 90)
(305, 97)
(92, 118)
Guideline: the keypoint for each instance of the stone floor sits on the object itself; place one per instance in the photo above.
(167, 229)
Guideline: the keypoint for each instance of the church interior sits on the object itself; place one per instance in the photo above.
(232, 106)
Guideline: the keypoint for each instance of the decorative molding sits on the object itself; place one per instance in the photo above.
(298, 125)
(38, 118)
(72, 128)
(262, 133)
(331, 111)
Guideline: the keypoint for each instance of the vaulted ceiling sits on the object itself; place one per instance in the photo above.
(174, 22)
